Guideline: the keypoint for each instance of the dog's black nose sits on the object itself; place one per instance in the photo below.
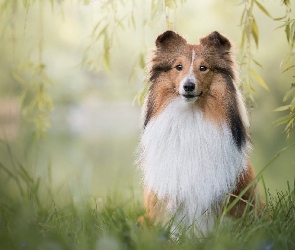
(189, 86)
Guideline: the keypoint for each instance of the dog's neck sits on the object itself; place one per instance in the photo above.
(189, 161)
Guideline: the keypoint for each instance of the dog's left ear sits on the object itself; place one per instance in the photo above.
(216, 40)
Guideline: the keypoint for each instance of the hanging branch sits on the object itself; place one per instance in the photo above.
(158, 7)
(103, 33)
(250, 37)
(35, 99)
(288, 66)
(44, 103)
(110, 22)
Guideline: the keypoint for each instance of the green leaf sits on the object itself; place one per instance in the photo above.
(170, 4)
(95, 28)
(289, 124)
(242, 17)
(242, 40)
(103, 32)
(133, 21)
(11, 175)
(282, 108)
(257, 63)
(292, 33)
(290, 67)
(287, 31)
(106, 54)
(286, 23)
(26, 4)
(284, 119)
(120, 23)
(25, 174)
(139, 98)
(255, 32)
(258, 176)
(279, 18)
(289, 94)
(261, 7)
(259, 79)
(141, 61)
(52, 4)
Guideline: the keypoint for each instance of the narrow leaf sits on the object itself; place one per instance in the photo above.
(107, 51)
(284, 119)
(279, 18)
(103, 32)
(133, 21)
(289, 94)
(261, 7)
(282, 108)
(259, 79)
(141, 61)
(290, 67)
(286, 23)
(242, 40)
(289, 124)
(258, 176)
(287, 31)
(255, 32)
(257, 63)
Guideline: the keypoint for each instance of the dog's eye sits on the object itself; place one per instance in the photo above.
(203, 68)
(178, 67)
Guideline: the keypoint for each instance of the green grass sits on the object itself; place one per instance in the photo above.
(33, 216)
(26, 224)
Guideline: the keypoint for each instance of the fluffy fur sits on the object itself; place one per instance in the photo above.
(194, 146)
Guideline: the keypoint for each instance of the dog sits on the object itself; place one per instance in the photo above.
(194, 147)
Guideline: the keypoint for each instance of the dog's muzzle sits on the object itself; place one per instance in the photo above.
(189, 91)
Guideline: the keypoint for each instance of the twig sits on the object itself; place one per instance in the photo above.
(245, 201)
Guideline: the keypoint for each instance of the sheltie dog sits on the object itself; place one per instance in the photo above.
(194, 146)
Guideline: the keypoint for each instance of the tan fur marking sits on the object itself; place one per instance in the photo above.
(212, 103)
(150, 201)
(154, 208)
(250, 195)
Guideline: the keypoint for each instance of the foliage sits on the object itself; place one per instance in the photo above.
(289, 66)
(37, 103)
(111, 21)
(31, 215)
(250, 35)
(31, 74)
(34, 219)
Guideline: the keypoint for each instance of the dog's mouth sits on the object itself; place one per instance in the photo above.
(190, 96)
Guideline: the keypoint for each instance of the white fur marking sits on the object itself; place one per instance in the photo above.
(242, 109)
(192, 63)
(189, 77)
(190, 163)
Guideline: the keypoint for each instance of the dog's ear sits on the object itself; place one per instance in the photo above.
(169, 41)
(216, 40)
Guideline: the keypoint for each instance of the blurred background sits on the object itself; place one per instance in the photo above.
(90, 79)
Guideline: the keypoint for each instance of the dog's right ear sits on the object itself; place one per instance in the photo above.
(216, 40)
(169, 40)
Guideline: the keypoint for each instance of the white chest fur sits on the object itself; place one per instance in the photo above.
(189, 162)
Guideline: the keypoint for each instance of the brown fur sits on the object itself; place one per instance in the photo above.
(249, 198)
(218, 100)
(176, 51)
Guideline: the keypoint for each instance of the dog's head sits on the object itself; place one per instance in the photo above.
(188, 70)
